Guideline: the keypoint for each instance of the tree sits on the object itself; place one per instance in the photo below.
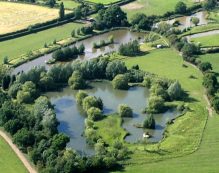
(5, 82)
(76, 81)
(155, 104)
(149, 122)
(195, 21)
(24, 138)
(81, 49)
(5, 60)
(125, 111)
(59, 141)
(94, 114)
(58, 55)
(12, 126)
(130, 49)
(73, 33)
(51, 3)
(189, 50)
(180, 7)
(210, 4)
(205, 66)
(175, 91)
(92, 101)
(80, 97)
(14, 89)
(61, 11)
(120, 82)
(141, 21)
(215, 103)
(114, 68)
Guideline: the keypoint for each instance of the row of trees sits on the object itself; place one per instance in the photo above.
(130, 49)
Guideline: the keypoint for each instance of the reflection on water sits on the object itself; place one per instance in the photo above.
(120, 36)
(71, 116)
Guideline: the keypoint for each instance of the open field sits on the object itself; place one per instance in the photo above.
(213, 59)
(214, 15)
(207, 41)
(16, 16)
(9, 162)
(69, 4)
(35, 41)
(103, 2)
(152, 7)
(167, 63)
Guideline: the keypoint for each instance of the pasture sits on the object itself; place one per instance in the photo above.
(105, 2)
(9, 162)
(15, 16)
(152, 7)
(213, 59)
(207, 41)
(23, 45)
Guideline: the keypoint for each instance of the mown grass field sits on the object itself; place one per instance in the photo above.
(103, 1)
(185, 134)
(152, 7)
(35, 41)
(69, 4)
(207, 41)
(15, 16)
(9, 162)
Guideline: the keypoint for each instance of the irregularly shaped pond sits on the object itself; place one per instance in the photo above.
(71, 116)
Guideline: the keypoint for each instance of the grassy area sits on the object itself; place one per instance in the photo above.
(9, 162)
(204, 28)
(15, 16)
(103, 2)
(152, 7)
(35, 41)
(69, 4)
(206, 41)
(110, 129)
(214, 15)
(185, 134)
(213, 59)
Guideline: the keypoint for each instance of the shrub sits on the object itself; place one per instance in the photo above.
(91, 101)
(120, 82)
(180, 7)
(175, 91)
(94, 114)
(205, 66)
(215, 103)
(76, 81)
(80, 97)
(149, 122)
(155, 104)
(114, 68)
(129, 49)
(125, 111)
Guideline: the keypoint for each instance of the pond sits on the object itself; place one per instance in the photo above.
(71, 116)
(121, 36)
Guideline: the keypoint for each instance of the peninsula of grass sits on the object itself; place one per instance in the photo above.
(207, 41)
(23, 45)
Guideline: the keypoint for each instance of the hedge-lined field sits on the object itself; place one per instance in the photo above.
(207, 41)
(152, 7)
(9, 162)
(15, 16)
(35, 41)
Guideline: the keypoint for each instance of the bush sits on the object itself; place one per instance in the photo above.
(94, 114)
(80, 97)
(76, 81)
(149, 122)
(114, 68)
(155, 104)
(180, 8)
(125, 111)
(215, 103)
(91, 101)
(175, 91)
(205, 66)
(130, 49)
(120, 82)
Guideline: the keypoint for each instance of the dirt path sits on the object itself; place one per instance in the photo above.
(18, 153)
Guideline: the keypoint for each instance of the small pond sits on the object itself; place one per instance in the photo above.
(121, 36)
(71, 116)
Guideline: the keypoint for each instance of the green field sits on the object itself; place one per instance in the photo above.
(213, 59)
(207, 41)
(152, 7)
(69, 4)
(214, 15)
(167, 63)
(9, 162)
(35, 41)
(105, 2)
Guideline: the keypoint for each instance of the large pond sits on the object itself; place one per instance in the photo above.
(71, 116)
(120, 37)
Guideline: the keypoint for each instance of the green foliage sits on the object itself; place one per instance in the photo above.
(59, 141)
(215, 103)
(14, 89)
(180, 8)
(155, 104)
(114, 68)
(149, 122)
(205, 66)
(141, 21)
(125, 111)
(130, 49)
(210, 4)
(28, 93)
(80, 97)
(92, 101)
(61, 11)
(76, 81)
(120, 82)
(94, 114)
(195, 21)
(175, 91)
